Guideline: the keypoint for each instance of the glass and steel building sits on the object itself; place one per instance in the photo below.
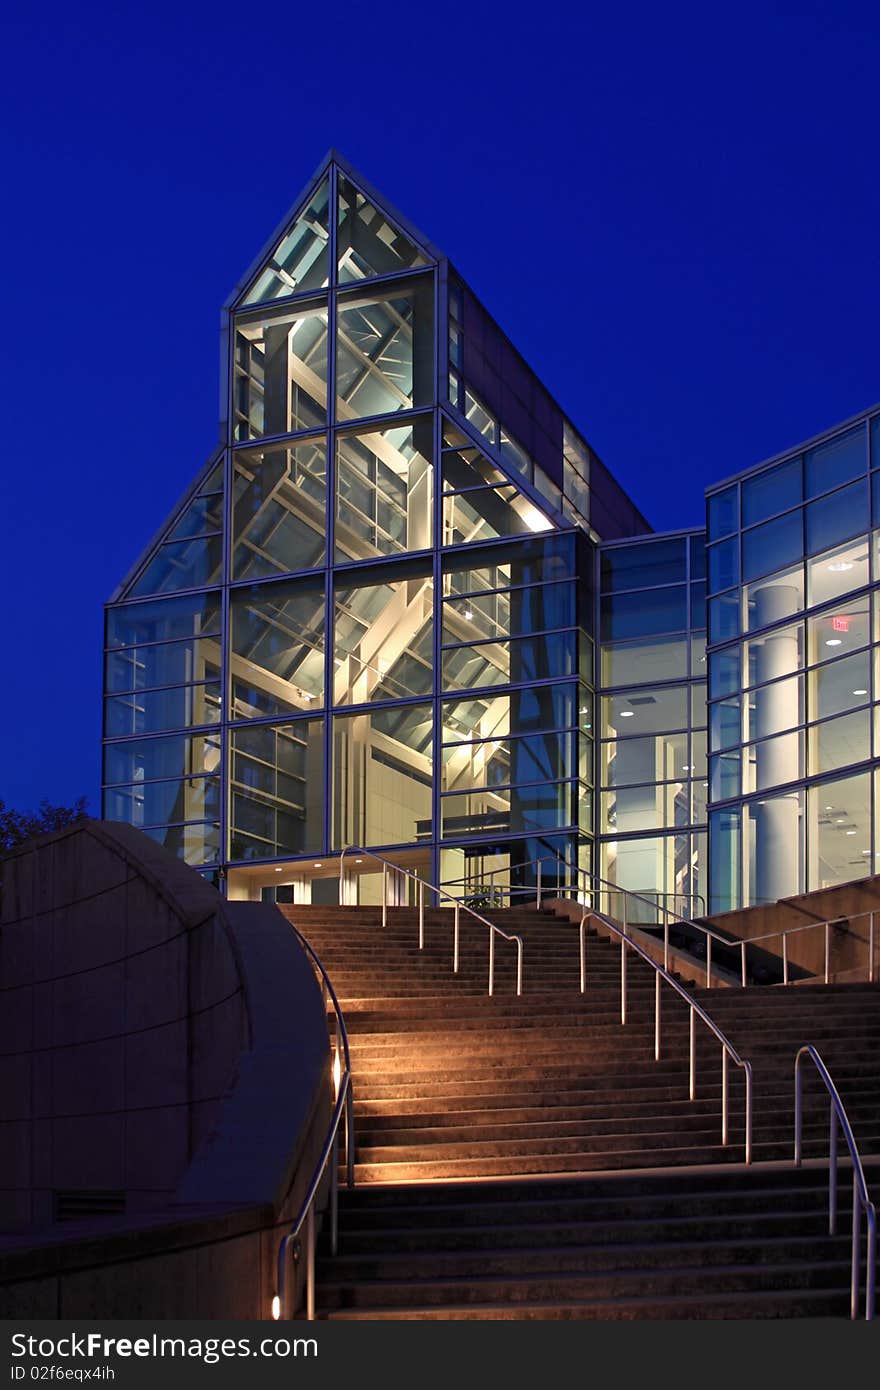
(405, 606)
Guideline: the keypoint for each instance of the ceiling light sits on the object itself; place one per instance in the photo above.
(860, 692)
(686, 767)
(840, 820)
(840, 566)
(359, 861)
(319, 866)
(468, 615)
(866, 851)
(850, 832)
(627, 713)
(535, 520)
(279, 871)
(833, 641)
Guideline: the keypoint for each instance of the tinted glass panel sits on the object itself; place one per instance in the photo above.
(771, 492)
(643, 565)
(768, 548)
(837, 462)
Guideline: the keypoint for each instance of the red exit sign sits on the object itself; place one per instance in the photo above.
(841, 624)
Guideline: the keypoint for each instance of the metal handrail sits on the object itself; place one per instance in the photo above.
(329, 1153)
(441, 893)
(696, 898)
(861, 1200)
(662, 974)
(786, 932)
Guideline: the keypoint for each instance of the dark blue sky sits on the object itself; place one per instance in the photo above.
(672, 210)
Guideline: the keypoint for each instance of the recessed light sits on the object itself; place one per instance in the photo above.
(860, 692)
(279, 871)
(850, 832)
(840, 566)
(841, 820)
(469, 617)
(833, 641)
(359, 861)
(686, 767)
(319, 866)
(627, 713)
(866, 851)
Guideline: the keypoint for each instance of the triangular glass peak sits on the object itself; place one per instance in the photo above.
(300, 261)
(367, 243)
(190, 553)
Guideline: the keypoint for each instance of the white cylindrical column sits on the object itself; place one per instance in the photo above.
(777, 711)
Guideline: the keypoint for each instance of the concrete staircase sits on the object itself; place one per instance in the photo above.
(570, 1138)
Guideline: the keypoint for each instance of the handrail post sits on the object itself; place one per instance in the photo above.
(709, 964)
(832, 1175)
(827, 951)
(310, 1264)
(349, 1134)
(871, 1271)
(583, 952)
(623, 979)
(491, 962)
(384, 895)
(519, 958)
(657, 1016)
(421, 914)
(665, 943)
(693, 1057)
(871, 949)
(785, 958)
(743, 954)
(455, 941)
(334, 1194)
(538, 880)
(798, 1118)
(856, 1251)
(724, 1096)
(748, 1153)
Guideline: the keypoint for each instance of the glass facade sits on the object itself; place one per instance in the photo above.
(406, 606)
(793, 627)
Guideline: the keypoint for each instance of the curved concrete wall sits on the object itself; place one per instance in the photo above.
(123, 1016)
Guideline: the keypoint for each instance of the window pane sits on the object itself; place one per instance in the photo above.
(772, 708)
(517, 810)
(649, 612)
(840, 829)
(511, 662)
(135, 623)
(382, 776)
(725, 860)
(839, 742)
(277, 789)
(277, 657)
(502, 761)
(162, 663)
(634, 712)
(182, 564)
(840, 631)
(837, 517)
(840, 686)
(508, 614)
(626, 663)
(279, 518)
(779, 596)
(655, 807)
(146, 759)
(780, 652)
(280, 372)
(831, 464)
(724, 617)
(661, 758)
(724, 672)
(773, 762)
(367, 243)
(509, 566)
(643, 565)
(486, 513)
(725, 724)
(197, 844)
(838, 571)
(771, 492)
(723, 513)
(158, 803)
(520, 711)
(146, 712)
(724, 565)
(384, 491)
(767, 547)
(724, 776)
(383, 636)
(299, 261)
(385, 350)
